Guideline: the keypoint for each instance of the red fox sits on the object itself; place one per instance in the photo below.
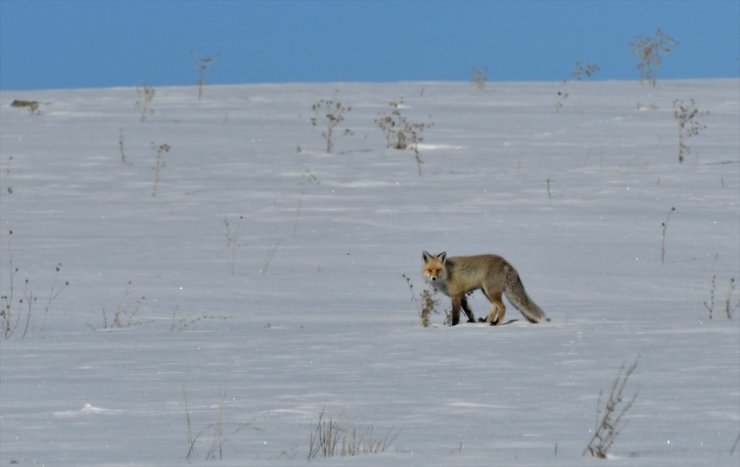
(458, 275)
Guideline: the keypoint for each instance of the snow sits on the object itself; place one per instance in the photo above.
(263, 283)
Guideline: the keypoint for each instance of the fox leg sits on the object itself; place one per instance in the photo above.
(467, 310)
(498, 309)
(456, 303)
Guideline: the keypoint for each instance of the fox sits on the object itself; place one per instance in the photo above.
(457, 276)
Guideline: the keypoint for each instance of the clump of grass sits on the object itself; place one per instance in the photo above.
(610, 420)
(159, 162)
(730, 304)
(270, 255)
(426, 303)
(650, 52)
(19, 307)
(329, 114)
(664, 228)
(232, 239)
(33, 106)
(685, 114)
(330, 438)
(6, 173)
(202, 67)
(561, 96)
(219, 431)
(121, 147)
(401, 134)
(126, 314)
(145, 94)
(182, 323)
(581, 71)
(480, 78)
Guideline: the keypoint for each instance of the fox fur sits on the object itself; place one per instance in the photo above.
(457, 276)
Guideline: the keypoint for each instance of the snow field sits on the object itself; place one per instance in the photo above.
(264, 279)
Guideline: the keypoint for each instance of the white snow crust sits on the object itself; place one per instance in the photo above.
(262, 284)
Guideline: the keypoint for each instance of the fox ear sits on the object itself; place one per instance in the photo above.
(425, 256)
(442, 257)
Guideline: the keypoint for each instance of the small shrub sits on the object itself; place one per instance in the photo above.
(664, 228)
(202, 68)
(6, 173)
(650, 51)
(159, 163)
(121, 147)
(730, 304)
(146, 95)
(232, 239)
(610, 419)
(19, 307)
(401, 134)
(181, 324)
(561, 95)
(426, 303)
(221, 432)
(33, 106)
(686, 113)
(126, 314)
(480, 77)
(330, 438)
(581, 72)
(329, 114)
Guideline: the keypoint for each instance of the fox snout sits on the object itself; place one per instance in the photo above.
(432, 276)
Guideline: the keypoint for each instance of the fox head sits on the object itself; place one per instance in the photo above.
(433, 267)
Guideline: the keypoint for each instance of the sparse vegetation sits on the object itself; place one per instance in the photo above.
(145, 94)
(400, 133)
(33, 106)
(561, 95)
(581, 71)
(19, 307)
(232, 239)
(159, 163)
(329, 114)
(610, 420)
(182, 323)
(664, 228)
(126, 314)
(202, 68)
(270, 255)
(217, 429)
(730, 305)
(480, 78)
(426, 303)
(688, 126)
(6, 174)
(330, 438)
(650, 52)
(121, 148)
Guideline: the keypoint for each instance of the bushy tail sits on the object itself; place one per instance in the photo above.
(518, 297)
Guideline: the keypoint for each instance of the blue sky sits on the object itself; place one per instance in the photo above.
(105, 43)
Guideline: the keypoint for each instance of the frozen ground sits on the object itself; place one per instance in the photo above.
(262, 285)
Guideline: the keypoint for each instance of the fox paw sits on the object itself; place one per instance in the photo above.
(483, 320)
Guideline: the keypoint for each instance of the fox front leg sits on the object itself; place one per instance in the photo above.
(456, 304)
(467, 310)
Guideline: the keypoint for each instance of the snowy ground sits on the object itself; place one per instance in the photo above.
(262, 285)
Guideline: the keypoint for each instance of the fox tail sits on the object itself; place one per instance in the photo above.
(518, 297)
